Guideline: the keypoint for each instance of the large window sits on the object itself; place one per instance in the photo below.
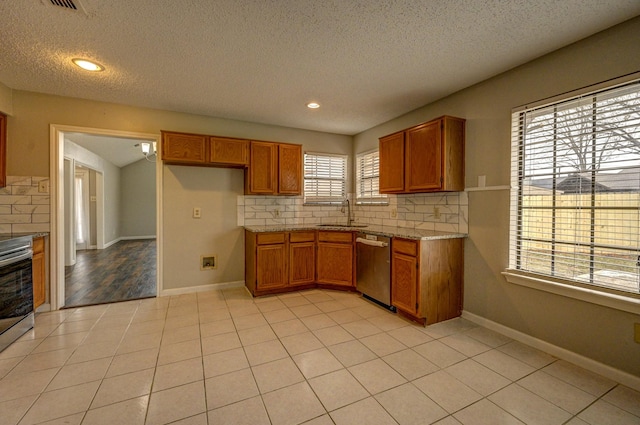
(575, 203)
(368, 179)
(325, 178)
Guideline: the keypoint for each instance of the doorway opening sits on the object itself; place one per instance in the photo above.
(105, 232)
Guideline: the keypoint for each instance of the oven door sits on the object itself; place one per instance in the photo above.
(16, 290)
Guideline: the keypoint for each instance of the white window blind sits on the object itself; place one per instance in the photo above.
(325, 177)
(575, 197)
(368, 178)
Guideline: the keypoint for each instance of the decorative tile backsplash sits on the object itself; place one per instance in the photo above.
(23, 208)
(430, 211)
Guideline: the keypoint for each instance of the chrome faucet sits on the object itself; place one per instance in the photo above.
(348, 212)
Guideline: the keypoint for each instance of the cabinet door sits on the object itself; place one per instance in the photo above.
(263, 165)
(404, 282)
(228, 151)
(290, 169)
(180, 148)
(271, 267)
(335, 263)
(423, 157)
(392, 163)
(38, 265)
(302, 259)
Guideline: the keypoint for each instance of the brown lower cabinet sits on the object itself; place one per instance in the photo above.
(39, 268)
(302, 258)
(287, 261)
(426, 275)
(336, 258)
(427, 278)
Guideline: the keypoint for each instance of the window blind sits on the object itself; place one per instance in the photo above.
(368, 178)
(325, 177)
(575, 193)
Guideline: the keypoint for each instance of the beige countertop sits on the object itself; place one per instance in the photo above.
(388, 231)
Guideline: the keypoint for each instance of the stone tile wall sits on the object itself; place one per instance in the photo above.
(23, 208)
(433, 211)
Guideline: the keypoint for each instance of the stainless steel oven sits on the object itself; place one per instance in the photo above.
(16, 289)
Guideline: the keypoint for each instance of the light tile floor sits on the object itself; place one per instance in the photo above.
(315, 357)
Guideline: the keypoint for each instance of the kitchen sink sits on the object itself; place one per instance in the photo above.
(342, 225)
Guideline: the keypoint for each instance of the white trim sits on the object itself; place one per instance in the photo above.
(607, 299)
(111, 243)
(202, 288)
(587, 90)
(43, 308)
(56, 173)
(487, 188)
(159, 222)
(131, 238)
(617, 375)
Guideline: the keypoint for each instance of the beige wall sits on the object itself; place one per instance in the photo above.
(138, 199)
(600, 333)
(28, 144)
(213, 190)
(6, 100)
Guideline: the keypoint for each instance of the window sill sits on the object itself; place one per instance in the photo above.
(373, 203)
(616, 301)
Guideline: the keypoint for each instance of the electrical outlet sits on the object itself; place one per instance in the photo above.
(208, 262)
(277, 212)
(394, 212)
(197, 212)
(636, 332)
(436, 213)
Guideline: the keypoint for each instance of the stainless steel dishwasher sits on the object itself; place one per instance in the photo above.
(373, 268)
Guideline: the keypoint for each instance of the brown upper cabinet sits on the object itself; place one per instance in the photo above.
(229, 152)
(425, 158)
(274, 169)
(271, 168)
(199, 149)
(184, 148)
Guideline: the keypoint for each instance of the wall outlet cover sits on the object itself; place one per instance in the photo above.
(208, 262)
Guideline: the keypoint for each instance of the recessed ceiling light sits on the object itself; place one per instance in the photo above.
(88, 65)
(313, 105)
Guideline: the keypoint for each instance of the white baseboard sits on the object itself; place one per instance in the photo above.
(113, 242)
(201, 288)
(131, 238)
(43, 308)
(617, 375)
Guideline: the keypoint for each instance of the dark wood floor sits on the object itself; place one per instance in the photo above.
(124, 271)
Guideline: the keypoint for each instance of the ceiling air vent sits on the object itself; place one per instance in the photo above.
(72, 5)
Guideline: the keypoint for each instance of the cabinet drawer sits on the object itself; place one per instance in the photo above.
(343, 237)
(270, 238)
(405, 246)
(302, 237)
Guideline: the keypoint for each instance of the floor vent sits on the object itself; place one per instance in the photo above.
(72, 5)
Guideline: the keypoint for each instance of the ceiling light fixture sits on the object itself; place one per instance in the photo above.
(313, 105)
(88, 65)
(146, 150)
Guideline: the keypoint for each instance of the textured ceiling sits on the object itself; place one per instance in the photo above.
(364, 61)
